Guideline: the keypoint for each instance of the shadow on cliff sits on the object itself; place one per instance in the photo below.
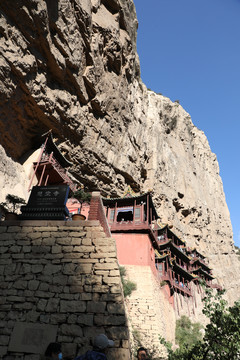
(52, 7)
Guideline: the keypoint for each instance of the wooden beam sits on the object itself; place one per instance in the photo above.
(43, 171)
(134, 208)
(115, 214)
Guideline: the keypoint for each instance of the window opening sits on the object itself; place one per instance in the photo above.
(125, 214)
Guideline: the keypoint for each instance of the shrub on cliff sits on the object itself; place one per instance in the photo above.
(128, 286)
(237, 251)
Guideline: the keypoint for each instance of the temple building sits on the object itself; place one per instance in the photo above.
(200, 268)
(131, 220)
(51, 166)
(134, 223)
(142, 240)
(172, 262)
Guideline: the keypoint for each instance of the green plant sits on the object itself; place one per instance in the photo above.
(82, 196)
(221, 340)
(163, 283)
(237, 251)
(187, 333)
(136, 338)
(128, 286)
(12, 203)
(167, 345)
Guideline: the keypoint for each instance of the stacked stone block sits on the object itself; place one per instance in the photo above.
(64, 274)
(149, 311)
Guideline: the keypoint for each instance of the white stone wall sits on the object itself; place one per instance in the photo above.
(149, 312)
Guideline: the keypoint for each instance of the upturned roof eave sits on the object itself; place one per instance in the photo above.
(167, 227)
(52, 147)
(108, 201)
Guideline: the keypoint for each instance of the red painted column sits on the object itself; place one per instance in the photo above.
(134, 207)
(115, 214)
(43, 171)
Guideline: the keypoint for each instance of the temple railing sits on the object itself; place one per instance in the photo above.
(166, 276)
(181, 287)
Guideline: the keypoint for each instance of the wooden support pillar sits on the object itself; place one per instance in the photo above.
(134, 209)
(177, 302)
(181, 298)
(36, 167)
(115, 213)
(39, 159)
(43, 171)
(47, 177)
(148, 208)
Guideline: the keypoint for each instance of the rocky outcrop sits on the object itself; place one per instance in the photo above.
(12, 177)
(72, 66)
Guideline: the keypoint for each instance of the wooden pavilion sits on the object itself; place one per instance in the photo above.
(51, 166)
(131, 221)
(131, 213)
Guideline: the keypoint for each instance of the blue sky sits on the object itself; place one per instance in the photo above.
(190, 51)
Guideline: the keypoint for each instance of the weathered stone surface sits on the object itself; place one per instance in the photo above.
(116, 309)
(96, 307)
(71, 330)
(33, 284)
(41, 304)
(72, 306)
(73, 67)
(52, 305)
(109, 320)
(85, 319)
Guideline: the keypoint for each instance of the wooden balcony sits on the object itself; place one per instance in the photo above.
(174, 284)
(200, 261)
(129, 225)
(181, 287)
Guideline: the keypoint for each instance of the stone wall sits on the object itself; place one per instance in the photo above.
(149, 311)
(64, 274)
(152, 311)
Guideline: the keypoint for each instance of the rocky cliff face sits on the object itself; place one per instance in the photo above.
(72, 66)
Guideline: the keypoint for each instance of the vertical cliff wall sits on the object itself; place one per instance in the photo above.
(72, 66)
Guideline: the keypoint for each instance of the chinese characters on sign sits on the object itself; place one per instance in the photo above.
(46, 203)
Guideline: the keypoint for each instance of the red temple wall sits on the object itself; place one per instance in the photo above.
(135, 249)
